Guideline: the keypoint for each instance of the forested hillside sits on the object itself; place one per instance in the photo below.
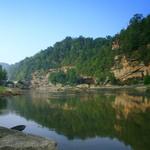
(134, 42)
(91, 57)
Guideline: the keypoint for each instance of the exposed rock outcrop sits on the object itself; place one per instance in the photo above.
(125, 69)
(115, 45)
(41, 79)
(15, 140)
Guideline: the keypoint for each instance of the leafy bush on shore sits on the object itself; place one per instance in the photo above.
(70, 77)
(147, 80)
(3, 75)
(2, 89)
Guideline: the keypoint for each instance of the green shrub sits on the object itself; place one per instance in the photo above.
(57, 77)
(3, 75)
(147, 80)
(70, 78)
(2, 89)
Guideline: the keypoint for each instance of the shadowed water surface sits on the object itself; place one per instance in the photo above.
(106, 120)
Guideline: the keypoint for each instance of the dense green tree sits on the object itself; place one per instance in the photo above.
(57, 77)
(3, 74)
(136, 19)
(134, 41)
(70, 77)
(147, 80)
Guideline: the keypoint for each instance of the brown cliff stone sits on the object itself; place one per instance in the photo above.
(127, 69)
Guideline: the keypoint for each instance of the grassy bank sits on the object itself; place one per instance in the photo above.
(8, 92)
(2, 90)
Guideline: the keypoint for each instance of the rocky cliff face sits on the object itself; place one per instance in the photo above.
(41, 79)
(125, 69)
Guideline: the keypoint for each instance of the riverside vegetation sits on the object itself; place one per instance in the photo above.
(3, 76)
(4, 91)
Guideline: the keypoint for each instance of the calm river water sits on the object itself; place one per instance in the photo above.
(97, 120)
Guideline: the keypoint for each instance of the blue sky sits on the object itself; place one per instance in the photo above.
(27, 26)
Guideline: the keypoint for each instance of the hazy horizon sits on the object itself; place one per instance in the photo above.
(30, 26)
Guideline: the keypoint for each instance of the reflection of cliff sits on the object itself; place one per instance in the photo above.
(127, 104)
(3, 103)
(132, 121)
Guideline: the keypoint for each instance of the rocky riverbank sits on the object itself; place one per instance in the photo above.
(15, 140)
(85, 87)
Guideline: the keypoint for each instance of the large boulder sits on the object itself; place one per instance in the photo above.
(16, 140)
(22, 84)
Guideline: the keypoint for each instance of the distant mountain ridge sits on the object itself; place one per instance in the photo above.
(5, 65)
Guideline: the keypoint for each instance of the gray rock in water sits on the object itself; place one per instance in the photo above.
(15, 140)
(19, 127)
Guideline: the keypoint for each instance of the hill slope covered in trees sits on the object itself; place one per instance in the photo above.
(91, 57)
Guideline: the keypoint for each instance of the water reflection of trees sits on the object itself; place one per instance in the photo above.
(123, 116)
(72, 117)
(3, 104)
